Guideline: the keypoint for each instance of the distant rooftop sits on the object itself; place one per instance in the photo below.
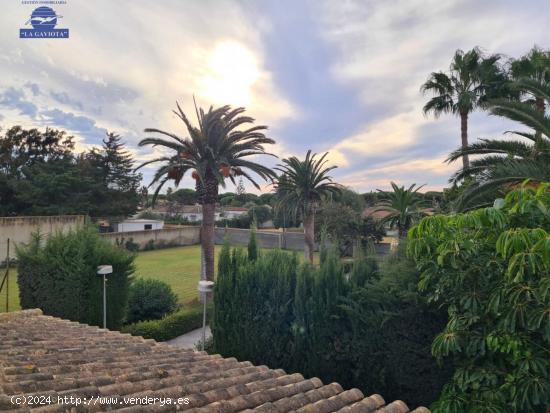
(50, 357)
(140, 220)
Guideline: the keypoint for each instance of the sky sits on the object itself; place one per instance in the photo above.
(341, 76)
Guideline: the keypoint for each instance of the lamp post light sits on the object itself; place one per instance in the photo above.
(104, 270)
(204, 288)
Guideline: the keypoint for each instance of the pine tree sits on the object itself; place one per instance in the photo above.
(121, 182)
(118, 164)
(241, 191)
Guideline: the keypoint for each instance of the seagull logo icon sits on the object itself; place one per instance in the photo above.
(43, 18)
(37, 20)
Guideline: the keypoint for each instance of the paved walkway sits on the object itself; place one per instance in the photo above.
(189, 340)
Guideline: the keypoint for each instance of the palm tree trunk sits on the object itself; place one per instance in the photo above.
(309, 236)
(207, 239)
(539, 104)
(541, 107)
(207, 194)
(464, 138)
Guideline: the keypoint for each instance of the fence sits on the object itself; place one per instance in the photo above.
(171, 236)
(180, 235)
(270, 239)
(265, 239)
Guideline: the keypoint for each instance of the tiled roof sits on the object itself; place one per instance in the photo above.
(373, 212)
(235, 209)
(45, 358)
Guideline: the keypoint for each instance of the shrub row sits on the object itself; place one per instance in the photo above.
(171, 326)
(364, 327)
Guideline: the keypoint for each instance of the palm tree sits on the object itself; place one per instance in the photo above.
(530, 72)
(471, 79)
(302, 186)
(506, 163)
(403, 206)
(215, 150)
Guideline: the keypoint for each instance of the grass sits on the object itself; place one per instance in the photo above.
(179, 267)
(13, 304)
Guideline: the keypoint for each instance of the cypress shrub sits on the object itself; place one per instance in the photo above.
(60, 277)
(364, 327)
(252, 245)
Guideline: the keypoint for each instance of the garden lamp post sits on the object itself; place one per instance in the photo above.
(204, 288)
(104, 270)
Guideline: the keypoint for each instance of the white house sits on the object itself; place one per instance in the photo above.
(233, 212)
(193, 213)
(132, 225)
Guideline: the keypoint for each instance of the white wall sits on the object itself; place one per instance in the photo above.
(129, 226)
(19, 229)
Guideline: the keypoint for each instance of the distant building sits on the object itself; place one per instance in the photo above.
(193, 213)
(372, 212)
(233, 212)
(132, 225)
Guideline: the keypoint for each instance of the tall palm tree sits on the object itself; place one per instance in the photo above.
(403, 206)
(214, 151)
(302, 186)
(508, 162)
(471, 79)
(530, 71)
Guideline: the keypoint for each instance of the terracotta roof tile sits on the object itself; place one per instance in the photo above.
(44, 357)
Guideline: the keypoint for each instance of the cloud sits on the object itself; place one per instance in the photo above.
(336, 76)
(64, 98)
(33, 87)
(13, 98)
(403, 172)
(87, 132)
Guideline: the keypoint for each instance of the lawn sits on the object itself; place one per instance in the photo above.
(13, 291)
(179, 267)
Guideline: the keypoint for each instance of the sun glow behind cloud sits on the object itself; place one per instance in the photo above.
(232, 72)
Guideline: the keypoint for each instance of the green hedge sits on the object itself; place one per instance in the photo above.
(60, 277)
(171, 326)
(364, 326)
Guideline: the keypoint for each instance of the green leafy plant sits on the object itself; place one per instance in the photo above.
(491, 268)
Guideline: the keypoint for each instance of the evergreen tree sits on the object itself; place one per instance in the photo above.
(240, 192)
(121, 182)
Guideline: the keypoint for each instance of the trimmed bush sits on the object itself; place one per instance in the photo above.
(150, 300)
(60, 277)
(171, 326)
